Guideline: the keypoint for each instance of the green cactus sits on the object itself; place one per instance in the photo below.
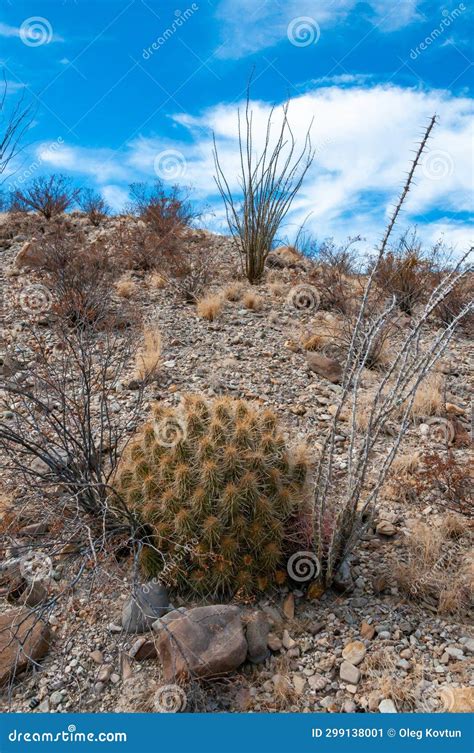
(218, 474)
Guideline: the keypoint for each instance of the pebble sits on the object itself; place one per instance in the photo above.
(354, 652)
(349, 673)
(387, 706)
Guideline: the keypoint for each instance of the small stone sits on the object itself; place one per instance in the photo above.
(455, 653)
(289, 606)
(97, 657)
(56, 698)
(281, 684)
(384, 635)
(143, 649)
(287, 641)
(469, 645)
(367, 631)
(349, 707)
(114, 678)
(351, 689)
(317, 682)
(385, 528)
(43, 708)
(406, 653)
(104, 673)
(387, 706)
(299, 684)
(354, 652)
(349, 673)
(273, 642)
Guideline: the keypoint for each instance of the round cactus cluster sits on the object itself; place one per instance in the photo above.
(216, 487)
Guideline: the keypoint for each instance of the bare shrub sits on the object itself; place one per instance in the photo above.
(446, 480)
(94, 206)
(13, 126)
(343, 503)
(49, 196)
(64, 432)
(335, 274)
(456, 301)
(269, 183)
(333, 336)
(406, 272)
(80, 277)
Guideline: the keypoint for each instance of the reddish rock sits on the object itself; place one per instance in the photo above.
(24, 638)
(328, 368)
(201, 642)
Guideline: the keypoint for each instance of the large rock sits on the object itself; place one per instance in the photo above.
(201, 642)
(24, 638)
(30, 255)
(328, 368)
(148, 602)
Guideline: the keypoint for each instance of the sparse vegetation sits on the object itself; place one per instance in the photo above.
(94, 206)
(50, 195)
(269, 183)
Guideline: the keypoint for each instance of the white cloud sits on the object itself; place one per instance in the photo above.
(364, 140)
(116, 196)
(36, 29)
(101, 164)
(249, 26)
(9, 31)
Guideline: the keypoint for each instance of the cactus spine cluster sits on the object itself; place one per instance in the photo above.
(216, 486)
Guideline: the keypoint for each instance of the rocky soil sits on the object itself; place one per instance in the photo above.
(364, 647)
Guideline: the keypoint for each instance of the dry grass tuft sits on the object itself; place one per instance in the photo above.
(429, 398)
(125, 288)
(233, 292)
(436, 565)
(252, 301)
(157, 281)
(209, 307)
(381, 674)
(149, 357)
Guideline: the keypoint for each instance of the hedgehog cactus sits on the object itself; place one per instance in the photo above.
(218, 475)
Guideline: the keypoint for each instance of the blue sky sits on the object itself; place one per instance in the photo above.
(126, 90)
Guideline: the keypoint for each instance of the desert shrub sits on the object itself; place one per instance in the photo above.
(342, 503)
(167, 211)
(49, 196)
(94, 206)
(269, 182)
(406, 272)
(441, 474)
(80, 278)
(220, 474)
(334, 336)
(334, 274)
(188, 269)
(455, 302)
